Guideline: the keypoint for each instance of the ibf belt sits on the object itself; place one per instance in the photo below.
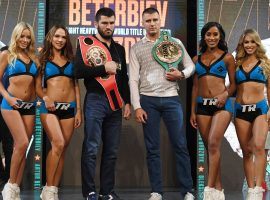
(167, 51)
(94, 54)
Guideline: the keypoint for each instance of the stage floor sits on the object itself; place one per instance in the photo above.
(139, 194)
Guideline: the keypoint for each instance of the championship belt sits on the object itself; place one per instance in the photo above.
(167, 51)
(94, 54)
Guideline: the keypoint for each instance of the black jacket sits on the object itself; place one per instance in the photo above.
(87, 73)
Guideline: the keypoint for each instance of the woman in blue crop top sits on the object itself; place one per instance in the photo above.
(18, 105)
(60, 109)
(211, 110)
(251, 108)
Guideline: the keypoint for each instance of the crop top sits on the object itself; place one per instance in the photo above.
(255, 74)
(52, 70)
(21, 68)
(218, 68)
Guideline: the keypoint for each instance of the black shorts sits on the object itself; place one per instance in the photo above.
(207, 106)
(63, 110)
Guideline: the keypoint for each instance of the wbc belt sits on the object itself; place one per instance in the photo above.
(94, 54)
(167, 51)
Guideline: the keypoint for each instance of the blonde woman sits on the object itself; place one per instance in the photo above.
(252, 74)
(18, 105)
(60, 109)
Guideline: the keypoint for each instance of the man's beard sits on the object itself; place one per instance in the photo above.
(107, 37)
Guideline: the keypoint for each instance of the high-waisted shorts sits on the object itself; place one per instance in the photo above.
(251, 111)
(25, 108)
(207, 106)
(64, 110)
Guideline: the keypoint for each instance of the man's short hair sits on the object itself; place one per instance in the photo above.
(150, 10)
(108, 12)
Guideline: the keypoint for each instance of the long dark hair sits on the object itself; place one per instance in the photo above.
(47, 51)
(222, 44)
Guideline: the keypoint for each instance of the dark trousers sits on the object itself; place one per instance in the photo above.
(101, 124)
(7, 144)
(170, 110)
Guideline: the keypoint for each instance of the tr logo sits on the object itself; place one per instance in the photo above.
(209, 101)
(62, 106)
(26, 105)
(249, 108)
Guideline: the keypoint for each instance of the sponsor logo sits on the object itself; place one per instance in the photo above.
(249, 108)
(209, 101)
(62, 106)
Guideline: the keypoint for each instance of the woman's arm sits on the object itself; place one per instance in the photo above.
(222, 98)
(3, 65)
(194, 95)
(78, 116)
(231, 72)
(40, 91)
(268, 100)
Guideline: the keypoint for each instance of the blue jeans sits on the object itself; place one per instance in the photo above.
(168, 108)
(101, 124)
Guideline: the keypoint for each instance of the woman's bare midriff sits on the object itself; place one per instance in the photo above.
(210, 86)
(22, 87)
(61, 89)
(250, 93)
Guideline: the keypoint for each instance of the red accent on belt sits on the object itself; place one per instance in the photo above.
(94, 53)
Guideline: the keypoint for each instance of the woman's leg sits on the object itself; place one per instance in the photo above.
(67, 127)
(17, 128)
(260, 129)
(204, 122)
(29, 122)
(220, 122)
(53, 130)
(244, 134)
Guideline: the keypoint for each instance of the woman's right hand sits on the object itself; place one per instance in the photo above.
(193, 120)
(14, 102)
(49, 103)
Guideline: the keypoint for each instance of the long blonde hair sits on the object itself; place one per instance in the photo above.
(15, 36)
(260, 53)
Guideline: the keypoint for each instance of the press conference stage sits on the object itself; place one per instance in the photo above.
(126, 194)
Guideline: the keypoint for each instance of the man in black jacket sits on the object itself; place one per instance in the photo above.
(102, 121)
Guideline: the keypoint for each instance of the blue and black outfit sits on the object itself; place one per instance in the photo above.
(64, 110)
(207, 106)
(16, 69)
(251, 111)
(101, 122)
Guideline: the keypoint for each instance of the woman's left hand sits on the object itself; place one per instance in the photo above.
(78, 119)
(221, 99)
